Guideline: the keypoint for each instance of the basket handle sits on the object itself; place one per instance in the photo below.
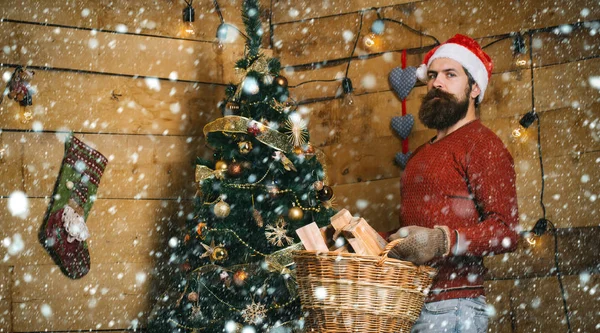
(387, 249)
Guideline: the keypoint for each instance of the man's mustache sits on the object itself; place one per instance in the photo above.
(433, 93)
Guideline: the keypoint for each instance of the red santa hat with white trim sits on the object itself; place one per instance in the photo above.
(465, 51)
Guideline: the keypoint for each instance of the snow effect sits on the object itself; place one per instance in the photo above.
(320, 293)
(594, 82)
(46, 310)
(14, 245)
(152, 83)
(18, 204)
(122, 28)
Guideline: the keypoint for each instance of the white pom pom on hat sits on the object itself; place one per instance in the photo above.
(467, 52)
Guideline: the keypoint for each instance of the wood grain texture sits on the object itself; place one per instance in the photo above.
(122, 231)
(110, 296)
(111, 104)
(566, 85)
(289, 10)
(5, 299)
(109, 52)
(378, 202)
(139, 166)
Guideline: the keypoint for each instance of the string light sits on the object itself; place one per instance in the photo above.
(524, 123)
(374, 41)
(188, 18)
(519, 51)
(541, 224)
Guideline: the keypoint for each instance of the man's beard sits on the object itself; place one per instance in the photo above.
(444, 111)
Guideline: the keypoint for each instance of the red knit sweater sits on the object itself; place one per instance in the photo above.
(465, 181)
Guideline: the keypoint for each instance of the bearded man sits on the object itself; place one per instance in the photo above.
(458, 195)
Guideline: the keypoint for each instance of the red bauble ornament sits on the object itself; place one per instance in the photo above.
(186, 266)
(235, 169)
(239, 278)
(193, 296)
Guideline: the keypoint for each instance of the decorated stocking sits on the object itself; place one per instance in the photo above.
(64, 231)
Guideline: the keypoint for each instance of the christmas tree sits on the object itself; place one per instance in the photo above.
(234, 265)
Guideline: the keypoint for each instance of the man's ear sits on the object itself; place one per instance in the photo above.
(475, 91)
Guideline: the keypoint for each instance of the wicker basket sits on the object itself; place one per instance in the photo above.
(346, 292)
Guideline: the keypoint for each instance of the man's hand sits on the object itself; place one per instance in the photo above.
(419, 244)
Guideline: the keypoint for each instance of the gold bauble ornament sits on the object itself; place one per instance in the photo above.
(298, 150)
(219, 254)
(221, 165)
(239, 278)
(222, 209)
(295, 213)
(245, 147)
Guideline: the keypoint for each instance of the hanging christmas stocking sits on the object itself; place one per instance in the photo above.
(64, 231)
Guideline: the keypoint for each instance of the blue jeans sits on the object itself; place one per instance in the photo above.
(461, 315)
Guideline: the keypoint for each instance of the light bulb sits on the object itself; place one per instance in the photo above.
(369, 40)
(222, 32)
(188, 28)
(218, 47)
(521, 61)
(531, 240)
(348, 99)
(372, 42)
(516, 133)
(188, 20)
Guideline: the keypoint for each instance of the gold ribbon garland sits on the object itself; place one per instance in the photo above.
(237, 124)
(203, 172)
(259, 65)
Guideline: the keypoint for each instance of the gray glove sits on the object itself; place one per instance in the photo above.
(420, 245)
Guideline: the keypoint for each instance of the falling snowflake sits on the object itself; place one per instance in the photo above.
(296, 128)
(277, 234)
(254, 313)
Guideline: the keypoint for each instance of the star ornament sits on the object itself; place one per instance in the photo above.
(209, 249)
(277, 234)
(296, 130)
(254, 313)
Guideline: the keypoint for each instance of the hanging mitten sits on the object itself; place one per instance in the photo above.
(64, 231)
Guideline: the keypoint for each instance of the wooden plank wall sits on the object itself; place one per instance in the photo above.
(360, 145)
(123, 77)
(141, 97)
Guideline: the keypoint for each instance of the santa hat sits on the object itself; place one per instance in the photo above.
(465, 51)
